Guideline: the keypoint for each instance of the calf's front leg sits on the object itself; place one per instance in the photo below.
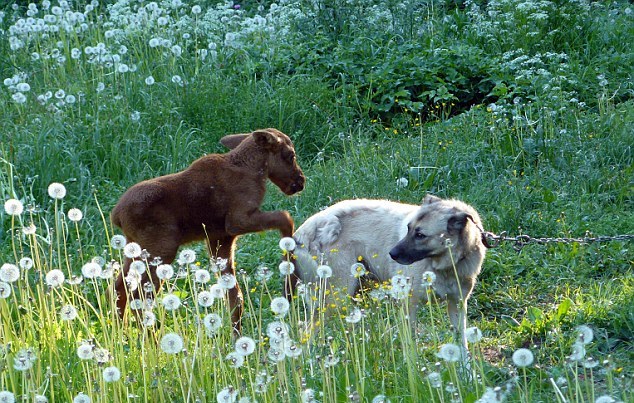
(240, 223)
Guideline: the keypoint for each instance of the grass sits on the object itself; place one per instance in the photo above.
(448, 95)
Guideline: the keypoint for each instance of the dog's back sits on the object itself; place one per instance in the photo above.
(349, 232)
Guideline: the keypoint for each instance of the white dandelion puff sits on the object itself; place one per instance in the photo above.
(245, 346)
(138, 266)
(429, 277)
(186, 256)
(165, 271)
(227, 281)
(212, 322)
(280, 306)
(13, 207)
(523, 357)
(171, 302)
(578, 352)
(91, 270)
(111, 374)
(355, 316)
(9, 273)
(205, 299)
(55, 278)
(218, 291)
(68, 312)
(202, 276)
(86, 351)
(584, 334)
(171, 343)
(358, 270)
(81, 398)
(473, 334)
(118, 242)
(287, 244)
(286, 268)
(324, 271)
(148, 319)
(5, 290)
(56, 191)
(227, 395)
(450, 352)
(236, 360)
(132, 250)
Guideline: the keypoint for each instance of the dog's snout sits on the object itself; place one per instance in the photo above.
(394, 253)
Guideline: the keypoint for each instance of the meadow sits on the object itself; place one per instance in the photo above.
(522, 108)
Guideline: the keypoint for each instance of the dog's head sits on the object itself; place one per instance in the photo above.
(436, 225)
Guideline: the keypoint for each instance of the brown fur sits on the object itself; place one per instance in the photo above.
(217, 198)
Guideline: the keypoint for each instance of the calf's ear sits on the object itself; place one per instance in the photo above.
(267, 139)
(233, 140)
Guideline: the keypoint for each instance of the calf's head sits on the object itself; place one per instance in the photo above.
(279, 156)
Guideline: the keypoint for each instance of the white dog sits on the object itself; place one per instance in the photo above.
(442, 237)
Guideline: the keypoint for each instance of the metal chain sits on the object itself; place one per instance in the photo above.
(491, 240)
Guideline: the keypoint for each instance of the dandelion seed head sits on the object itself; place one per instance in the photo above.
(605, 399)
(171, 343)
(205, 299)
(286, 268)
(324, 271)
(212, 322)
(584, 334)
(186, 256)
(13, 207)
(578, 352)
(523, 357)
(111, 374)
(165, 271)
(292, 350)
(473, 334)
(245, 346)
(287, 244)
(308, 396)
(56, 191)
(402, 183)
(68, 313)
(171, 302)
(277, 330)
(236, 360)
(40, 399)
(91, 270)
(202, 276)
(81, 398)
(24, 359)
(280, 306)
(355, 316)
(29, 229)
(55, 278)
(138, 266)
(227, 281)
(217, 291)
(9, 273)
(7, 397)
(450, 352)
(86, 351)
(5, 290)
(429, 277)
(118, 242)
(196, 9)
(263, 274)
(434, 379)
(358, 270)
(227, 395)
(132, 250)
(102, 355)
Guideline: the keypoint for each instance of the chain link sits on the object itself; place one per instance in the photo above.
(491, 240)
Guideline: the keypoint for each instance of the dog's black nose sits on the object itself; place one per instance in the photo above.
(393, 253)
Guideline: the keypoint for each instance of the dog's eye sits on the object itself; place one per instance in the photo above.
(419, 235)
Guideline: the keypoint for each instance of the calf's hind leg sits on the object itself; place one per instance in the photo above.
(224, 248)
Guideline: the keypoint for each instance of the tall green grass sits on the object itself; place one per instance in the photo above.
(521, 108)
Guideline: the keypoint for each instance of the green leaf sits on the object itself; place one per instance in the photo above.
(535, 315)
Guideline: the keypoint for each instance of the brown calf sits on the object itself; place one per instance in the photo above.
(216, 199)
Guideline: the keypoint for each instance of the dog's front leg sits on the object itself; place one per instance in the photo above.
(457, 311)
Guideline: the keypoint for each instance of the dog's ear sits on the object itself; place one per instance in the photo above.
(267, 139)
(429, 199)
(233, 140)
(457, 223)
